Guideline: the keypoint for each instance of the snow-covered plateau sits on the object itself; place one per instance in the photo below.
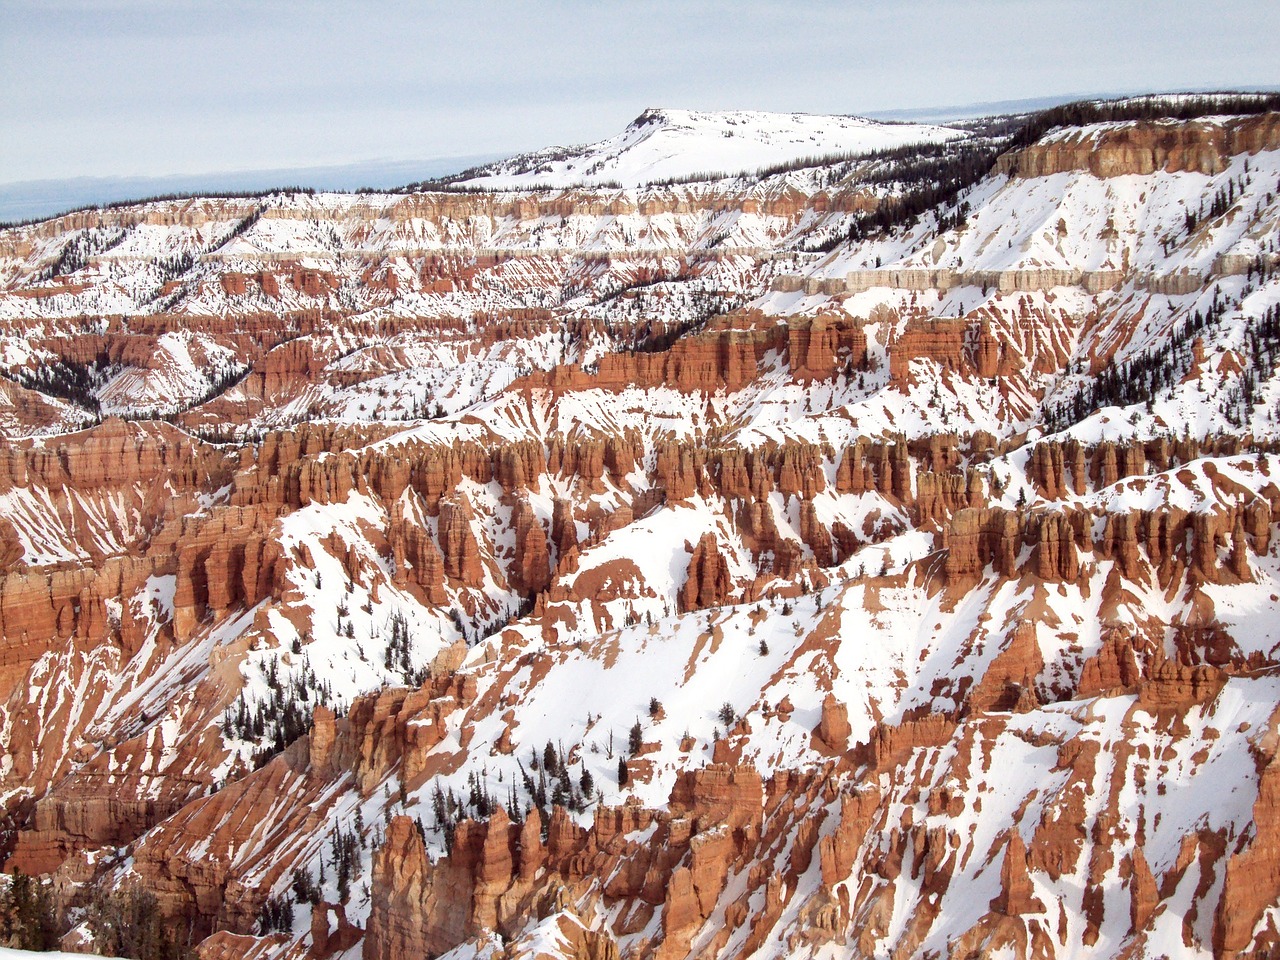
(664, 145)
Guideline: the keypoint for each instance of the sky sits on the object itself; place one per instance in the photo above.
(156, 88)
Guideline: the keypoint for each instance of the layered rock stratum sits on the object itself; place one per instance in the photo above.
(693, 570)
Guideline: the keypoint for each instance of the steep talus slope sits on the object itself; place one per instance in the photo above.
(658, 573)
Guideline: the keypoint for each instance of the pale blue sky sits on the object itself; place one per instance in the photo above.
(112, 88)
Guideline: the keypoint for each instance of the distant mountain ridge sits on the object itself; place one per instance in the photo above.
(662, 145)
(32, 199)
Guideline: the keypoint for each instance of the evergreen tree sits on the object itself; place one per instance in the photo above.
(26, 914)
(129, 923)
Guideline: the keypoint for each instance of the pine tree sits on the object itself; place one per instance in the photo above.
(438, 806)
(26, 915)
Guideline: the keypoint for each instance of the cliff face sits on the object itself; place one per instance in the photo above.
(499, 873)
(141, 786)
(858, 823)
(607, 575)
(1142, 148)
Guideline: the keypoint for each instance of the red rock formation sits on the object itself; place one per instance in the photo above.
(821, 347)
(813, 533)
(1017, 895)
(564, 532)
(1141, 147)
(519, 466)
(708, 582)
(1114, 667)
(988, 354)
(224, 945)
(1173, 686)
(1144, 894)
(679, 470)
(979, 536)
(940, 340)
(327, 941)
(1252, 881)
(800, 470)
(1056, 557)
(531, 572)
(497, 872)
(833, 728)
(417, 560)
(458, 542)
(1010, 682)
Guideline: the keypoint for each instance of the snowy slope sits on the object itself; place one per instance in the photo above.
(319, 566)
(676, 144)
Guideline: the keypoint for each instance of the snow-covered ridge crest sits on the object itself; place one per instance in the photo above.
(665, 144)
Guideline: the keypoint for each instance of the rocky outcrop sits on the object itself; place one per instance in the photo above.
(564, 531)
(417, 559)
(326, 939)
(833, 727)
(1145, 147)
(725, 357)
(1252, 878)
(1209, 547)
(519, 466)
(979, 536)
(500, 874)
(1017, 895)
(1019, 279)
(405, 879)
(940, 340)
(458, 544)
(531, 572)
(707, 582)
(824, 346)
